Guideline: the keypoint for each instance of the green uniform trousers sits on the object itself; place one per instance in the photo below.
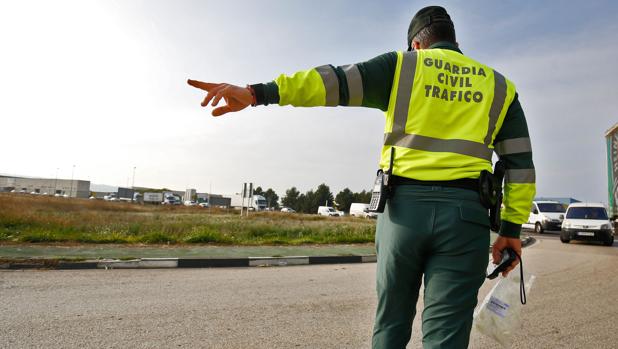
(439, 235)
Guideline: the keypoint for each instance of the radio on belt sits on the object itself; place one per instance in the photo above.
(381, 188)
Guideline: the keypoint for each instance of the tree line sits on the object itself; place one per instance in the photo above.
(312, 199)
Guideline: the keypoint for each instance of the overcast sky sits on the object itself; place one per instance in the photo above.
(102, 85)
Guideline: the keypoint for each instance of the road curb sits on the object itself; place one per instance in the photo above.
(168, 263)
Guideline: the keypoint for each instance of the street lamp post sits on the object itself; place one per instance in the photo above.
(72, 173)
(56, 181)
(133, 184)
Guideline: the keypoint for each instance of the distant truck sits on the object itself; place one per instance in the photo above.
(611, 137)
(138, 198)
(125, 194)
(255, 203)
(153, 198)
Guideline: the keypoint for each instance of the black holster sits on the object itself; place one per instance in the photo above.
(490, 192)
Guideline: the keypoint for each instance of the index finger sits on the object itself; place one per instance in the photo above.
(206, 86)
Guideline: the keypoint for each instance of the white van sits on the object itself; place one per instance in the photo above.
(545, 215)
(361, 210)
(587, 221)
(327, 211)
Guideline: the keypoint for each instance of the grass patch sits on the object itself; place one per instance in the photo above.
(157, 238)
(101, 239)
(36, 219)
(5, 234)
(41, 237)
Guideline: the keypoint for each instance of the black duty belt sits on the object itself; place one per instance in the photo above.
(463, 183)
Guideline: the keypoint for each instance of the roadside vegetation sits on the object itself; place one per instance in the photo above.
(36, 219)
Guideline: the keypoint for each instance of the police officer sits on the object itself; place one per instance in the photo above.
(445, 115)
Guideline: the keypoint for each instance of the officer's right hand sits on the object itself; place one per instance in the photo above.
(236, 98)
(500, 244)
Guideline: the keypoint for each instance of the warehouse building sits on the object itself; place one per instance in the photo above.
(47, 186)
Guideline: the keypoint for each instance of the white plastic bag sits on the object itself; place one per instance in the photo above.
(499, 315)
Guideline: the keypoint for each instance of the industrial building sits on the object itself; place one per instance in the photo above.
(81, 189)
(47, 186)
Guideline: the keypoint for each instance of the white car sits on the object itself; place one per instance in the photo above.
(545, 215)
(110, 197)
(587, 221)
(171, 200)
(203, 204)
(287, 209)
(327, 211)
(361, 210)
(190, 203)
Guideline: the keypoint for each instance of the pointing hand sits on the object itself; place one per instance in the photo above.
(236, 98)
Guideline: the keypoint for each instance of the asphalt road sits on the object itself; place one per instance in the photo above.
(571, 305)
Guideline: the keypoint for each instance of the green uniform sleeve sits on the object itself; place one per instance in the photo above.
(366, 84)
(512, 144)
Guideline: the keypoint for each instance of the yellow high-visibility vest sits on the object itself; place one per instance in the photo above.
(444, 112)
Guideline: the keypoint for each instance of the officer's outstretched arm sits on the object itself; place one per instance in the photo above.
(236, 98)
(365, 84)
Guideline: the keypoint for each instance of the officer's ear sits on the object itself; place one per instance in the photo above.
(416, 45)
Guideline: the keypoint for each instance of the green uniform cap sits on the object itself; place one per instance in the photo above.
(425, 17)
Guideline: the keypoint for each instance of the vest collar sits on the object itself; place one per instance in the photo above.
(445, 45)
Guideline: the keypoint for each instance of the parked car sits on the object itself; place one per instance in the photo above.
(287, 209)
(190, 203)
(545, 215)
(203, 204)
(361, 210)
(110, 197)
(327, 211)
(587, 221)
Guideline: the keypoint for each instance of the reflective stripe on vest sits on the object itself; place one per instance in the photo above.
(398, 136)
(527, 175)
(331, 85)
(513, 146)
(496, 105)
(355, 84)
